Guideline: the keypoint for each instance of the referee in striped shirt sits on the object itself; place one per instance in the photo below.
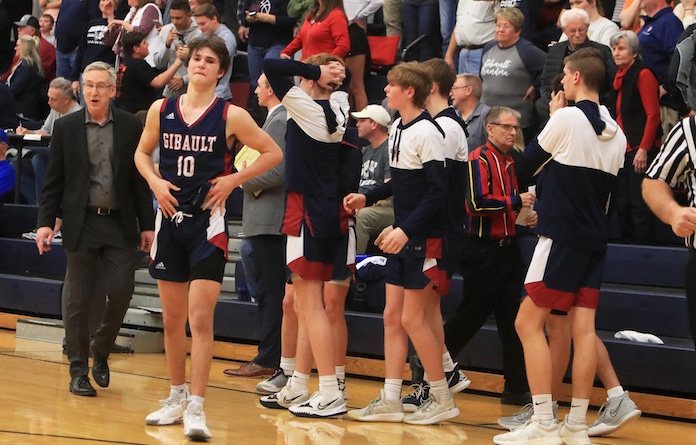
(674, 166)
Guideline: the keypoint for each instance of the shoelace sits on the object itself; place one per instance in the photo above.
(522, 413)
(602, 410)
(426, 406)
(179, 216)
(276, 374)
(83, 379)
(419, 391)
(169, 402)
(519, 427)
(374, 403)
(196, 414)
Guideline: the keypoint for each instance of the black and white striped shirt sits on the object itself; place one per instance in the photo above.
(674, 163)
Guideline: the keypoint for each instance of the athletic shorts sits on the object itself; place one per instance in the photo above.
(311, 258)
(417, 273)
(561, 277)
(344, 260)
(185, 240)
(358, 42)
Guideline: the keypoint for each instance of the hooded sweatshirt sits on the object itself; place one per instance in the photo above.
(577, 156)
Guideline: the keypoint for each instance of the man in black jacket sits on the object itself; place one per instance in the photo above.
(107, 214)
(575, 23)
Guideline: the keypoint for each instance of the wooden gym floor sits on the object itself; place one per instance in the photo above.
(37, 408)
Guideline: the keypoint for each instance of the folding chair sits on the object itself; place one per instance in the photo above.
(383, 53)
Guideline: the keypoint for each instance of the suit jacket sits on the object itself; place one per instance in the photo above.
(66, 189)
(264, 196)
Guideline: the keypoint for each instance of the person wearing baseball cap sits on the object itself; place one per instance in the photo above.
(373, 126)
(29, 25)
(375, 112)
(28, 20)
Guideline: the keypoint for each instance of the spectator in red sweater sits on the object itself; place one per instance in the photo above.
(638, 114)
(325, 30)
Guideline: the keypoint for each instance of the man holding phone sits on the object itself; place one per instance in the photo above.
(179, 32)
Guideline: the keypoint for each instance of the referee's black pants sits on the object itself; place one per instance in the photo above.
(493, 276)
(691, 291)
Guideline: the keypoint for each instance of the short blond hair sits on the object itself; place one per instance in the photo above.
(512, 15)
(411, 74)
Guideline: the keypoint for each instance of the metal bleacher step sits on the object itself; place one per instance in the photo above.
(142, 276)
(233, 246)
(51, 331)
(145, 291)
(148, 317)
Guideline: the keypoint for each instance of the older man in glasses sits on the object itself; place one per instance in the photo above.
(491, 262)
(575, 24)
(107, 214)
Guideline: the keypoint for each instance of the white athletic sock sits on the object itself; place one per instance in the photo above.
(341, 372)
(287, 364)
(543, 408)
(441, 389)
(299, 382)
(178, 392)
(447, 362)
(196, 399)
(328, 387)
(578, 411)
(392, 389)
(616, 391)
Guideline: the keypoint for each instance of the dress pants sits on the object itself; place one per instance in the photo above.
(636, 219)
(493, 277)
(268, 258)
(101, 246)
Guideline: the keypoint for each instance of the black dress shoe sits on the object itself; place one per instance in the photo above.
(100, 368)
(118, 349)
(80, 386)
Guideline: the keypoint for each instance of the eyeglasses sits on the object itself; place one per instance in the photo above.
(100, 87)
(460, 87)
(571, 31)
(507, 127)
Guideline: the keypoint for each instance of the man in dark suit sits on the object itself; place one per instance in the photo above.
(106, 206)
(264, 203)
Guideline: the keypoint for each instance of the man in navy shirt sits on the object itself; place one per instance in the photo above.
(69, 27)
(658, 39)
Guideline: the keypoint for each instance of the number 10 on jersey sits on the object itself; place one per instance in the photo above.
(185, 166)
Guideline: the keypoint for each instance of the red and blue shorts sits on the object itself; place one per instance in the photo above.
(561, 277)
(411, 271)
(185, 241)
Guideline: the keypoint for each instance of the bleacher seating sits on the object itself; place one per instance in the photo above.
(642, 290)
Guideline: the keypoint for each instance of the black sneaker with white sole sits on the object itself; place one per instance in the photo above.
(317, 407)
(285, 398)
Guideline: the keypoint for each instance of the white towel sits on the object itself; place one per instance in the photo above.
(378, 260)
(641, 337)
